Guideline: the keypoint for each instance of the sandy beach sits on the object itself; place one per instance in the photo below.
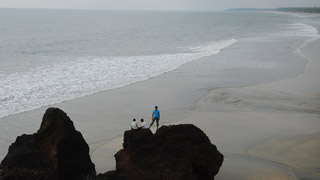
(259, 139)
(268, 131)
(265, 131)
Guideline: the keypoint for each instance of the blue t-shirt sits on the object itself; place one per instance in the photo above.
(156, 113)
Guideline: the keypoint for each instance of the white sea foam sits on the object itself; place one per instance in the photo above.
(46, 85)
(301, 30)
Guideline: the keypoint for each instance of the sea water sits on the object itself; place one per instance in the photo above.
(51, 56)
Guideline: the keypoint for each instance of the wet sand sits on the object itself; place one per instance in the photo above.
(267, 131)
(272, 129)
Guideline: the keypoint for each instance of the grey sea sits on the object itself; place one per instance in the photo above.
(52, 56)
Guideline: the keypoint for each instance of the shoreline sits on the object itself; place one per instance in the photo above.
(250, 151)
(288, 12)
(116, 143)
(310, 73)
(295, 133)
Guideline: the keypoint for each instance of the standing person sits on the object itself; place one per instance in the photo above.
(143, 124)
(155, 116)
(134, 124)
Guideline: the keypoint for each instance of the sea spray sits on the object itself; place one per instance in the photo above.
(47, 85)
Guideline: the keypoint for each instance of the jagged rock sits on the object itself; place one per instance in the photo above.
(179, 152)
(56, 152)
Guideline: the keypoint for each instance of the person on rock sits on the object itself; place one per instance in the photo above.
(134, 124)
(143, 124)
(155, 116)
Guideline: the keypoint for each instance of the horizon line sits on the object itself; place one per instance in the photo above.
(155, 10)
(168, 10)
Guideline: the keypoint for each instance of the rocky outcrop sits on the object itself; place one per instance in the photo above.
(56, 152)
(179, 152)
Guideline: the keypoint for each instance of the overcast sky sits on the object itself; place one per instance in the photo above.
(157, 4)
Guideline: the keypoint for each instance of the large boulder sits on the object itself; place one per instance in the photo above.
(179, 152)
(56, 152)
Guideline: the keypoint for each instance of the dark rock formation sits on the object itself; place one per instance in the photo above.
(180, 152)
(56, 152)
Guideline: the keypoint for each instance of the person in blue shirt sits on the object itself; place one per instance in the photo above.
(155, 116)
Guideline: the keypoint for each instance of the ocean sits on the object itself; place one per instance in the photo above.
(51, 56)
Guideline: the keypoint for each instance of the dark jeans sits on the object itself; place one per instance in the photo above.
(155, 119)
